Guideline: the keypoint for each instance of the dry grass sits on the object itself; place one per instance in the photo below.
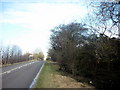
(50, 77)
(68, 82)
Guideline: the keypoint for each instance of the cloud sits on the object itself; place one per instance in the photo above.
(39, 19)
(50, 13)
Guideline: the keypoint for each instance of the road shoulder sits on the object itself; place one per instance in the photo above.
(51, 77)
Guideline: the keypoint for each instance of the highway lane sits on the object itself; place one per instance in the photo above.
(7, 68)
(20, 75)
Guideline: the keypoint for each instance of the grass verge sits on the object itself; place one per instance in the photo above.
(51, 77)
(45, 78)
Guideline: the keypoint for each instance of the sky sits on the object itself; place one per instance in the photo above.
(27, 23)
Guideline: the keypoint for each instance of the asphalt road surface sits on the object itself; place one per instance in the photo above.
(20, 75)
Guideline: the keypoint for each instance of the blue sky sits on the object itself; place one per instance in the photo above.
(27, 23)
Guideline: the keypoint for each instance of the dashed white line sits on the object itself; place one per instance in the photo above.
(8, 71)
(16, 68)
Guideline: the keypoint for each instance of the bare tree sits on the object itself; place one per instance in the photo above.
(38, 54)
(104, 18)
(11, 54)
(80, 52)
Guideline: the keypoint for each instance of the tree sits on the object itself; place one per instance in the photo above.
(65, 41)
(104, 21)
(51, 55)
(38, 54)
(103, 18)
(15, 53)
(11, 54)
(25, 56)
(80, 52)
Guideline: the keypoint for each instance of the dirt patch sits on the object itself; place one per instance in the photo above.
(51, 77)
(68, 82)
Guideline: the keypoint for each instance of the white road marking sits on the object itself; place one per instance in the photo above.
(9, 71)
(35, 79)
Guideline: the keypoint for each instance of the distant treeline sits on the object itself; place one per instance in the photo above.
(12, 54)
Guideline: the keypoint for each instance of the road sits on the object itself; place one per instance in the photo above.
(20, 75)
